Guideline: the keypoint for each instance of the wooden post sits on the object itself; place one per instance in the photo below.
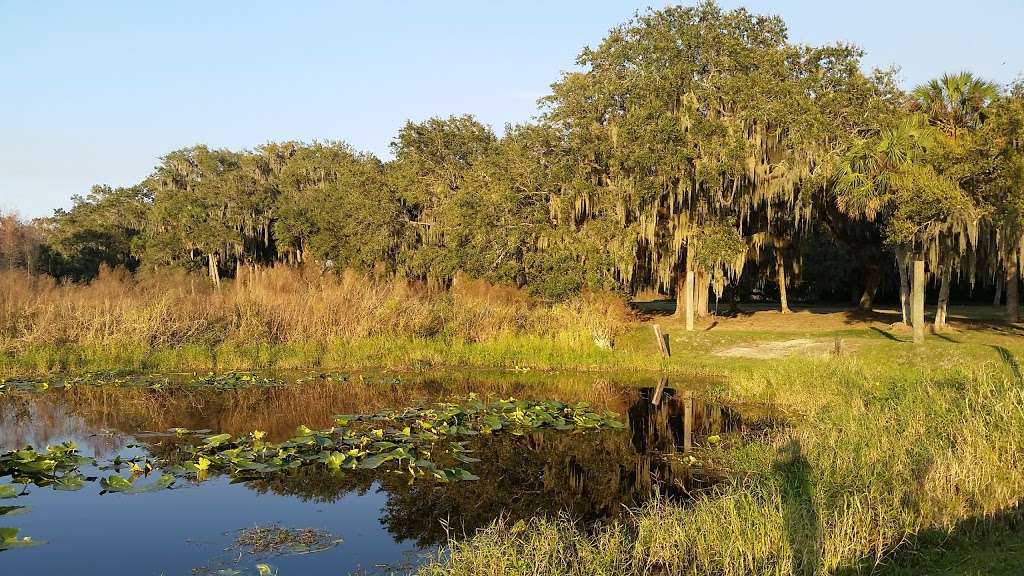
(662, 341)
(687, 421)
(917, 297)
(659, 390)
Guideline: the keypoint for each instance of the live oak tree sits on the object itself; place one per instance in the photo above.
(695, 150)
(102, 228)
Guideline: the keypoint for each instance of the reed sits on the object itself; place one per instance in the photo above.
(288, 318)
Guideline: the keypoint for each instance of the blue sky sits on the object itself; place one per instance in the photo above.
(94, 92)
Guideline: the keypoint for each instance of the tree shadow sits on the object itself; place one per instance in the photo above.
(1011, 361)
(947, 337)
(889, 335)
(800, 517)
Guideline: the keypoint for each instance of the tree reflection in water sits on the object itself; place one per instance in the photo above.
(591, 476)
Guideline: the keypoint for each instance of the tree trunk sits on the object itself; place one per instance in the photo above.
(214, 272)
(780, 271)
(702, 295)
(680, 312)
(903, 265)
(940, 310)
(998, 298)
(917, 306)
(872, 279)
(1012, 286)
(689, 301)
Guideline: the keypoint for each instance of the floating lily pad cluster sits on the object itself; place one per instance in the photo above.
(59, 467)
(422, 442)
(418, 442)
(215, 381)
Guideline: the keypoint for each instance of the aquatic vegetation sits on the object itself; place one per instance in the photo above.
(232, 380)
(123, 485)
(56, 467)
(152, 381)
(275, 539)
(411, 441)
(9, 539)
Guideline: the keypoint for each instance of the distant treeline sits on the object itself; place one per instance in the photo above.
(691, 143)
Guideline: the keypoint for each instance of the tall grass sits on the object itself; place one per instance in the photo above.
(280, 316)
(848, 486)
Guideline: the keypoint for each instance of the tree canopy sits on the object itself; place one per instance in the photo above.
(690, 142)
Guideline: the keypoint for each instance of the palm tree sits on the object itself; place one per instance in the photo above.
(955, 104)
(892, 176)
(864, 178)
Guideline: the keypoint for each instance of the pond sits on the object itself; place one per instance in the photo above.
(365, 520)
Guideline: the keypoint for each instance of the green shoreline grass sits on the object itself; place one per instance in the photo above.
(873, 464)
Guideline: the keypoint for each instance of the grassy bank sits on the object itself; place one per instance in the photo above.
(880, 467)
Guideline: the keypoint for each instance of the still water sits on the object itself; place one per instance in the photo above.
(386, 523)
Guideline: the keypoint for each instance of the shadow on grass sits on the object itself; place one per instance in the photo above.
(803, 527)
(889, 335)
(947, 338)
(975, 547)
(1011, 362)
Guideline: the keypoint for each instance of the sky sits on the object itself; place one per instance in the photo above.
(95, 92)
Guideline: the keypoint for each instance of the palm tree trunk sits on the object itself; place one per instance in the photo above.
(1012, 287)
(940, 311)
(780, 272)
(917, 305)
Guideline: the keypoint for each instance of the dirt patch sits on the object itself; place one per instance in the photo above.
(782, 349)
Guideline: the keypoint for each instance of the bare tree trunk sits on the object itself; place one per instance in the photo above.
(903, 266)
(940, 310)
(872, 278)
(917, 306)
(998, 298)
(211, 258)
(689, 300)
(1012, 287)
(780, 272)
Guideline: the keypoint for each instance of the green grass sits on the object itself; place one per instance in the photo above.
(890, 446)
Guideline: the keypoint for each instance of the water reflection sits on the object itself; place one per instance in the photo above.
(592, 477)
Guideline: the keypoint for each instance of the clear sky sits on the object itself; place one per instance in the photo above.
(94, 92)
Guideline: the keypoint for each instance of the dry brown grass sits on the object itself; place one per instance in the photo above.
(282, 305)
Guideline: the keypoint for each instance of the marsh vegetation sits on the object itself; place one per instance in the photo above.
(731, 305)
